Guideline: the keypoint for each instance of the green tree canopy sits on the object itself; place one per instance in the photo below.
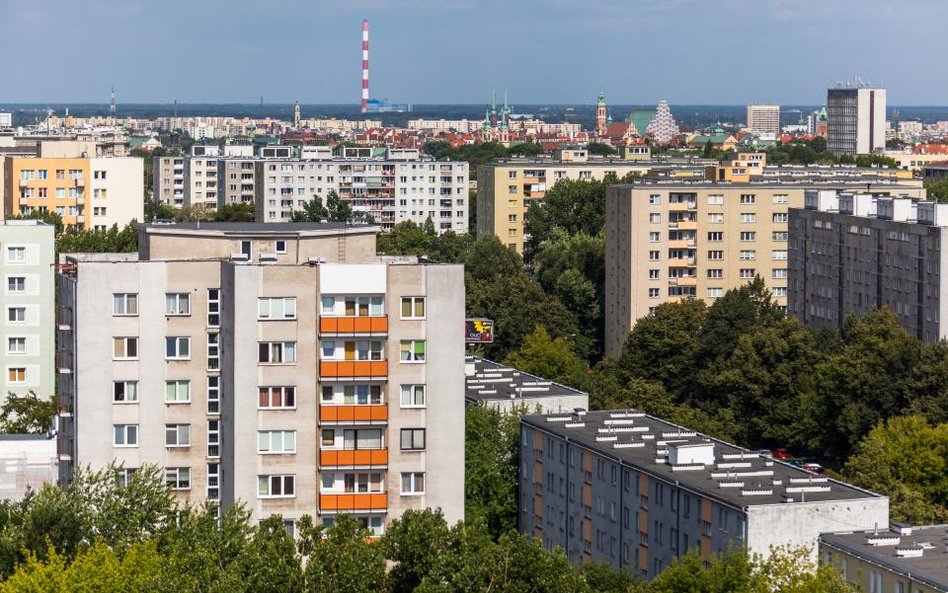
(28, 414)
(492, 457)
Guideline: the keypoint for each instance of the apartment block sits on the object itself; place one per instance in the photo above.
(508, 389)
(87, 192)
(855, 120)
(27, 262)
(852, 252)
(282, 365)
(667, 241)
(763, 119)
(637, 492)
(901, 559)
(507, 187)
(168, 180)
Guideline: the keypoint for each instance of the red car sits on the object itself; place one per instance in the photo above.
(782, 453)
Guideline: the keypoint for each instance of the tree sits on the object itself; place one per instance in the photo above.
(599, 149)
(337, 209)
(547, 357)
(270, 563)
(48, 216)
(416, 543)
(155, 210)
(27, 414)
(937, 189)
(491, 458)
(487, 259)
(527, 149)
(341, 559)
(312, 211)
(439, 149)
(237, 212)
(111, 240)
(709, 151)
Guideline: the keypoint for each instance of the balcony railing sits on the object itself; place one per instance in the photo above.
(353, 414)
(353, 369)
(354, 325)
(353, 457)
(353, 502)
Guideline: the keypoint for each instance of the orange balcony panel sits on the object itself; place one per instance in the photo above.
(353, 413)
(353, 502)
(353, 325)
(353, 368)
(378, 457)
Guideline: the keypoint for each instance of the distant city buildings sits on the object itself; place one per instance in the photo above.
(855, 120)
(763, 119)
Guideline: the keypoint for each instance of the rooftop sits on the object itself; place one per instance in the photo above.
(733, 475)
(487, 380)
(256, 228)
(919, 552)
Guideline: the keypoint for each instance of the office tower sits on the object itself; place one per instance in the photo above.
(763, 119)
(282, 365)
(855, 120)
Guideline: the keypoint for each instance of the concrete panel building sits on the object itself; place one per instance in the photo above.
(901, 559)
(508, 389)
(285, 366)
(667, 241)
(851, 253)
(26, 260)
(637, 492)
(855, 120)
(27, 462)
(763, 119)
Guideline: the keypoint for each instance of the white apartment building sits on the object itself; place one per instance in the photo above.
(116, 191)
(28, 327)
(282, 365)
(763, 119)
(855, 120)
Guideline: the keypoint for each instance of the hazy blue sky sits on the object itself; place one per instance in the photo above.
(456, 51)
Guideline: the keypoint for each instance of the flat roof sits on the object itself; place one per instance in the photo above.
(918, 553)
(489, 380)
(686, 183)
(738, 477)
(256, 228)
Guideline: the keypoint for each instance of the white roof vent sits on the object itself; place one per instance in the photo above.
(239, 257)
(691, 454)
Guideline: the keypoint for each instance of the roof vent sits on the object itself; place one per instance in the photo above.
(239, 257)
(691, 454)
(909, 551)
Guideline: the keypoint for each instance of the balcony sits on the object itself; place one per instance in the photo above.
(678, 244)
(353, 502)
(353, 414)
(370, 326)
(353, 369)
(681, 262)
(687, 225)
(353, 458)
(679, 206)
(683, 281)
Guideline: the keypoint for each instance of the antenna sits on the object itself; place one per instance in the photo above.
(112, 103)
(365, 65)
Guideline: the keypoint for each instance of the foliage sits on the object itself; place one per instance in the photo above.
(50, 217)
(27, 414)
(937, 189)
(236, 212)
(492, 458)
(599, 149)
(111, 240)
(341, 557)
(415, 543)
(407, 238)
(527, 149)
(548, 357)
(474, 154)
(155, 210)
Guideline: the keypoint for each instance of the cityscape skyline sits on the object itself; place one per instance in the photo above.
(229, 44)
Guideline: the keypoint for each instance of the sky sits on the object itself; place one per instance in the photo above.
(458, 51)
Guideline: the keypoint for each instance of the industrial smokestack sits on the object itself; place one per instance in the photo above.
(365, 65)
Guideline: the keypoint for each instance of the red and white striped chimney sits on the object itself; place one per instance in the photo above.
(365, 65)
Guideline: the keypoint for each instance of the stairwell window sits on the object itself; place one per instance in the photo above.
(412, 351)
(413, 396)
(125, 348)
(276, 308)
(276, 441)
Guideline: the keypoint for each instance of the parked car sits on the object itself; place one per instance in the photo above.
(782, 453)
(814, 468)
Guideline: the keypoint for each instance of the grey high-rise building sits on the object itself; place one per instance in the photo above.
(855, 120)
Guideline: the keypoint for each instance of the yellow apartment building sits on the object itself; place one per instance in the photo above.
(48, 184)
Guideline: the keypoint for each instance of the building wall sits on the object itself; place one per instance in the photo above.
(64, 189)
(236, 181)
(117, 191)
(28, 367)
(168, 183)
(27, 462)
(763, 119)
(858, 572)
(540, 405)
(200, 181)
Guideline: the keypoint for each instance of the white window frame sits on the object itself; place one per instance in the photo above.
(411, 351)
(19, 250)
(20, 349)
(178, 478)
(124, 392)
(177, 304)
(18, 313)
(276, 442)
(124, 298)
(271, 390)
(413, 483)
(277, 248)
(181, 433)
(413, 302)
(16, 284)
(126, 340)
(177, 387)
(177, 342)
(266, 483)
(276, 308)
(277, 352)
(127, 430)
(409, 395)
(17, 369)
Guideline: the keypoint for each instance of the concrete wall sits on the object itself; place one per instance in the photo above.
(118, 197)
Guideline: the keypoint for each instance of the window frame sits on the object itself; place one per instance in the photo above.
(270, 390)
(270, 480)
(270, 436)
(177, 341)
(411, 479)
(177, 298)
(177, 383)
(126, 340)
(126, 430)
(412, 351)
(413, 443)
(19, 249)
(412, 392)
(16, 314)
(413, 302)
(13, 282)
(276, 346)
(125, 399)
(178, 484)
(177, 427)
(269, 301)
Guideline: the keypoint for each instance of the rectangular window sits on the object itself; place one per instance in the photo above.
(124, 304)
(780, 236)
(413, 307)
(16, 284)
(125, 392)
(413, 439)
(748, 199)
(213, 307)
(213, 351)
(280, 246)
(748, 217)
(276, 308)
(16, 314)
(654, 274)
(715, 200)
(16, 375)
(748, 255)
(213, 481)
(780, 198)
(125, 435)
(716, 217)
(655, 199)
(655, 217)
(362, 438)
(715, 273)
(277, 398)
(277, 352)
(654, 255)
(779, 254)
(715, 255)
(778, 291)
(124, 348)
(276, 441)
(177, 348)
(177, 435)
(747, 273)
(654, 237)
(213, 438)
(654, 293)
(748, 236)
(177, 392)
(213, 395)
(177, 303)
(412, 351)
(780, 217)
(413, 396)
(716, 236)
(413, 483)
(178, 478)
(16, 345)
(779, 273)
(16, 255)
(276, 486)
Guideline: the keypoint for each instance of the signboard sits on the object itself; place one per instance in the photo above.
(478, 331)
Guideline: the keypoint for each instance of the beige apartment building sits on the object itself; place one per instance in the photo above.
(507, 187)
(667, 241)
(281, 365)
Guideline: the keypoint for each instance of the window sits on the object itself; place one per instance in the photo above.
(178, 303)
(124, 348)
(276, 486)
(779, 273)
(780, 236)
(654, 293)
(654, 274)
(655, 217)
(361, 438)
(276, 308)
(214, 438)
(512, 189)
(16, 255)
(124, 303)
(177, 392)
(16, 375)
(276, 441)
(654, 255)
(280, 246)
(748, 236)
(748, 217)
(177, 348)
(655, 199)
(413, 439)
(413, 396)
(780, 217)
(125, 435)
(246, 247)
(654, 237)
(716, 217)
(352, 394)
(748, 199)
(779, 254)
(16, 284)
(178, 478)
(715, 273)
(125, 392)
(213, 481)
(214, 395)
(412, 351)
(413, 307)
(213, 307)
(715, 255)
(715, 200)
(16, 345)
(177, 435)
(716, 236)
(748, 254)
(747, 273)
(16, 314)
(780, 198)
(277, 397)
(277, 352)
(328, 437)
(778, 291)
(413, 483)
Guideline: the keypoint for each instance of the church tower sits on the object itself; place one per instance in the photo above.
(601, 115)
(296, 116)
